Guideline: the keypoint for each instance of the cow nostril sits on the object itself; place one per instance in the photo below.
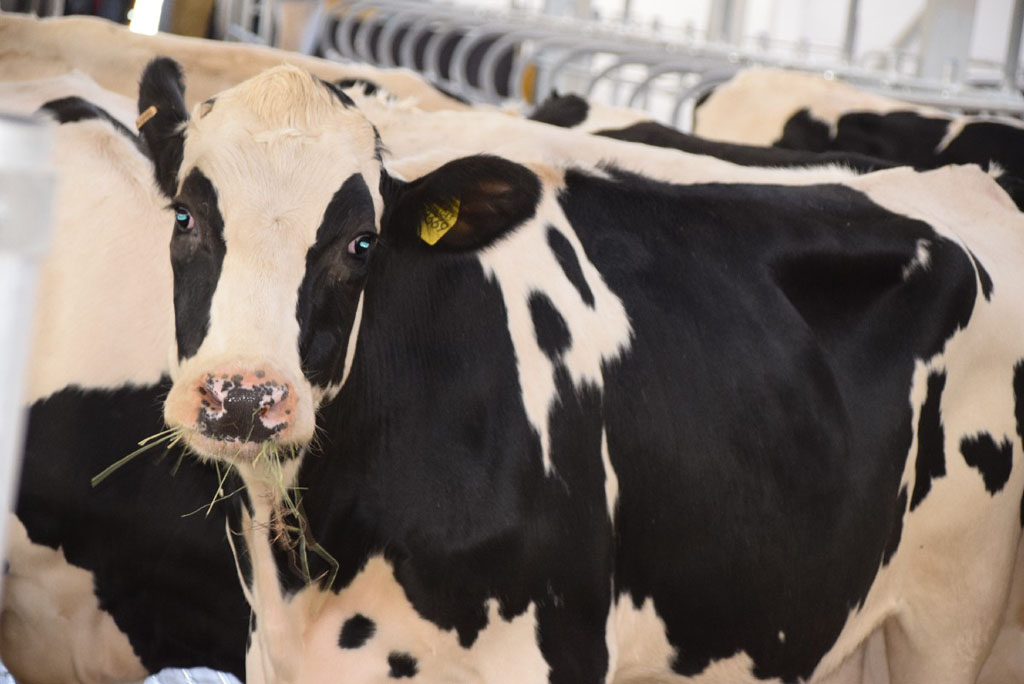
(233, 408)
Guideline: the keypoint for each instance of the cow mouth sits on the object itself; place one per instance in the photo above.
(243, 414)
(209, 447)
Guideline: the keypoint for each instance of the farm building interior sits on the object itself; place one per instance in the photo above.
(512, 341)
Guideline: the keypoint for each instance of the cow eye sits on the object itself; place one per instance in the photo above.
(362, 244)
(183, 220)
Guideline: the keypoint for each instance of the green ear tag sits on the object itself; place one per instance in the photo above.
(439, 220)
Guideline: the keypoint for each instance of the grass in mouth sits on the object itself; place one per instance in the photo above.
(289, 523)
(288, 520)
(168, 437)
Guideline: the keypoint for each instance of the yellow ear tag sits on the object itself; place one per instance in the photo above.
(145, 116)
(438, 221)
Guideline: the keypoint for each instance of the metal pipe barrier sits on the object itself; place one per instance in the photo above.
(492, 56)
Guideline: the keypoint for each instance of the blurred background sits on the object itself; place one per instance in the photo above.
(658, 55)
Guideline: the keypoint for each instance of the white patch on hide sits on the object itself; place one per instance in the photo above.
(521, 264)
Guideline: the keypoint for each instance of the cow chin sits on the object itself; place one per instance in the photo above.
(241, 413)
(238, 453)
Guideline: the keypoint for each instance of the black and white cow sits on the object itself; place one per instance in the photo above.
(574, 424)
(804, 143)
(111, 583)
(801, 146)
(800, 111)
(572, 110)
(68, 612)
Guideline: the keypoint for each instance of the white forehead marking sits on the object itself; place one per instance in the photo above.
(276, 149)
(522, 264)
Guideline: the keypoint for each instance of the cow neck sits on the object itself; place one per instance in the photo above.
(262, 520)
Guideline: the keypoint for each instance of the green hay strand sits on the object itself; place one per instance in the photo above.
(296, 538)
(172, 435)
(269, 462)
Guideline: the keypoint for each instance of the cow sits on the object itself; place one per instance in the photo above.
(113, 582)
(515, 421)
(97, 369)
(801, 111)
(573, 111)
(420, 141)
(869, 155)
(27, 97)
(33, 48)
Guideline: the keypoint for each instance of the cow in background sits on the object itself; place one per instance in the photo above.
(576, 424)
(572, 111)
(113, 56)
(114, 582)
(802, 111)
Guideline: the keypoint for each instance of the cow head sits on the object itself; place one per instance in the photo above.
(274, 186)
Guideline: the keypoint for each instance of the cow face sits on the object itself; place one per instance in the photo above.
(274, 186)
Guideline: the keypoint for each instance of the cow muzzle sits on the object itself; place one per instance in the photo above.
(249, 407)
(235, 412)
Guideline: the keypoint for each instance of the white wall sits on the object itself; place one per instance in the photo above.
(818, 22)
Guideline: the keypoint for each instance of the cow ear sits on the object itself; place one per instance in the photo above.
(466, 204)
(162, 118)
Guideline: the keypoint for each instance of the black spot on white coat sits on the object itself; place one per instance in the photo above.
(73, 109)
(1018, 412)
(804, 132)
(562, 110)
(402, 665)
(356, 631)
(570, 263)
(931, 458)
(549, 326)
(993, 461)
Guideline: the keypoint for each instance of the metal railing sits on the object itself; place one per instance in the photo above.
(490, 56)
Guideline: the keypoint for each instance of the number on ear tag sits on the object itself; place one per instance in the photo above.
(439, 220)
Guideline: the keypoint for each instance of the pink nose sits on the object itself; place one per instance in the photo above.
(243, 406)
